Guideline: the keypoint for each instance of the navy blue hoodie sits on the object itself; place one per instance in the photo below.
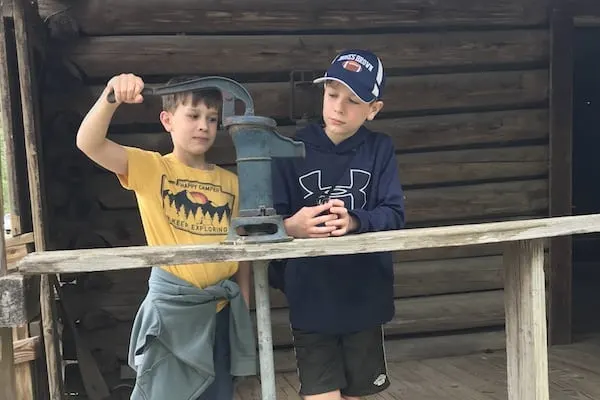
(346, 293)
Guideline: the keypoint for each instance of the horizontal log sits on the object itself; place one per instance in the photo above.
(104, 298)
(403, 94)
(408, 134)
(423, 315)
(26, 350)
(446, 167)
(473, 165)
(413, 316)
(585, 8)
(473, 201)
(405, 349)
(20, 240)
(89, 260)
(111, 17)
(105, 56)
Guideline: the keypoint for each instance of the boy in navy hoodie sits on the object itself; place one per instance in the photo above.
(348, 183)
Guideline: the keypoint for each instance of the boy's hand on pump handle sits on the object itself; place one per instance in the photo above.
(126, 87)
(324, 220)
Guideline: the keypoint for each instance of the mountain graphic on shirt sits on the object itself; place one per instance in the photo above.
(197, 207)
(191, 202)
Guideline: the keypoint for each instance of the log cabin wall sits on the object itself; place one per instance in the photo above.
(466, 105)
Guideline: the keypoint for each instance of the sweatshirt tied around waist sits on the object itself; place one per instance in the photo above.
(172, 338)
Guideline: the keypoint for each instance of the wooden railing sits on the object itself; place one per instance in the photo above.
(526, 332)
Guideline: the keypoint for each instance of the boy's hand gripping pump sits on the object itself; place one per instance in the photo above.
(256, 142)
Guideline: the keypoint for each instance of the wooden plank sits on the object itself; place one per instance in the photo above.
(107, 297)
(423, 206)
(26, 350)
(473, 165)
(418, 315)
(471, 201)
(7, 122)
(423, 315)
(20, 240)
(26, 67)
(89, 260)
(7, 370)
(404, 349)
(461, 166)
(404, 94)
(561, 169)
(98, 17)
(105, 56)
(585, 8)
(408, 134)
(526, 347)
(23, 369)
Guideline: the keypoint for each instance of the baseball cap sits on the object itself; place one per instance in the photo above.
(360, 70)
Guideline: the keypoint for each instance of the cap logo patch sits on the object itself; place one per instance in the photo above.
(352, 66)
(356, 59)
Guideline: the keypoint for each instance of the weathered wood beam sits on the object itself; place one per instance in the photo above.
(30, 108)
(98, 17)
(7, 370)
(526, 336)
(105, 56)
(26, 350)
(403, 94)
(20, 240)
(89, 260)
(585, 8)
(418, 348)
(408, 134)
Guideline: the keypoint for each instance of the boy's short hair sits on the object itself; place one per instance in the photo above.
(212, 98)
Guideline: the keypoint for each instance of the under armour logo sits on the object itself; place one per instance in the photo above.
(353, 194)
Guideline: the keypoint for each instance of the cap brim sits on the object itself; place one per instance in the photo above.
(330, 78)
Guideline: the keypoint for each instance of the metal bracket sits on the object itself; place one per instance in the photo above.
(305, 101)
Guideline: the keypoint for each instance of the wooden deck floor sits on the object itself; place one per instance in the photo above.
(574, 374)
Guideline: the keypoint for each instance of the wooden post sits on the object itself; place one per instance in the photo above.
(26, 69)
(7, 368)
(561, 136)
(526, 338)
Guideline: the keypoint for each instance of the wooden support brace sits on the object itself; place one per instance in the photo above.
(25, 350)
(525, 307)
(7, 370)
(26, 66)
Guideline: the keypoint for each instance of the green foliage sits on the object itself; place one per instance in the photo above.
(5, 194)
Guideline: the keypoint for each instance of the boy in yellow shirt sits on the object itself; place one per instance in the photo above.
(190, 335)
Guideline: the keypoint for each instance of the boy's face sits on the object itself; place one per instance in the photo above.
(193, 128)
(343, 112)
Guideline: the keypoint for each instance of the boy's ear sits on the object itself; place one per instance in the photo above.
(165, 119)
(375, 107)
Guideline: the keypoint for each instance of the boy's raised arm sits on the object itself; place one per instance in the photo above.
(91, 137)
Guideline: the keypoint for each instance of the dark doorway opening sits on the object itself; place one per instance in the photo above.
(586, 178)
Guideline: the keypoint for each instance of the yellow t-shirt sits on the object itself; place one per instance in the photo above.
(183, 205)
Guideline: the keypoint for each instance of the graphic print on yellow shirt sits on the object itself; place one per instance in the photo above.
(197, 207)
(183, 205)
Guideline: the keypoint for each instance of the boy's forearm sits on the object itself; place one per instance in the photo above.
(242, 278)
(93, 129)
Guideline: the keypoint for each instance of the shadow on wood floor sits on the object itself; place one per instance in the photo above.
(574, 374)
